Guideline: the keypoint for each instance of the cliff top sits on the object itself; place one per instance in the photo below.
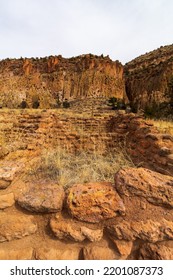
(155, 57)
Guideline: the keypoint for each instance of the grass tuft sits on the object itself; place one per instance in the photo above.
(68, 169)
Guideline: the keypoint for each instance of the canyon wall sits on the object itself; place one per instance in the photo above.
(50, 80)
(149, 79)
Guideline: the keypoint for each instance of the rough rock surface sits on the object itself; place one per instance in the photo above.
(96, 252)
(92, 234)
(49, 80)
(57, 254)
(123, 247)
(6, 176)
(15, 226)
(155, 252)
(148, 77)
(94, 202)
(150, 231)
(68, 229)
(155, 187)
(6, 200)
(20, 254)
(43, 197)
(9, 168)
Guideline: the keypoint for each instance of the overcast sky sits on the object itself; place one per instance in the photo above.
(122, 29)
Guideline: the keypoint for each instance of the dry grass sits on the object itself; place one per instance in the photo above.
(164, 126)
(68, 169)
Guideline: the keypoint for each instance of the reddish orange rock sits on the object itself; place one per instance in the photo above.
(155, 252)
(155, 187)
(41, 197)
(94, 202)
(96, 252)
(150, 231)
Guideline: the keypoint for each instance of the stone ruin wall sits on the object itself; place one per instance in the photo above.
(138, 138)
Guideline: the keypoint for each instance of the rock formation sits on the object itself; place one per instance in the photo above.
(50, 80)
(149, 79)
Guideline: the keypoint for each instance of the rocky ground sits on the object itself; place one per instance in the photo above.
(130, 219)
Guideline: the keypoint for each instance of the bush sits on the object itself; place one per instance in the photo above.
(23, 104)
(156, 110)
(66, 104)
(121, 105)
(113, 103)
(116, 104)
(35, 104)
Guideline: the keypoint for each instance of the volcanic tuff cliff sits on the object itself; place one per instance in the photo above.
(149, 78)
(53, 79)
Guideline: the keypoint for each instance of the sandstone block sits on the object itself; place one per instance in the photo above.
(155, 187)
(150, 231)
(68, 229)
(42, 197)
(94, 202)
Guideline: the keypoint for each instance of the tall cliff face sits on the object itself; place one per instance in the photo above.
(54, 78)
(149, 78)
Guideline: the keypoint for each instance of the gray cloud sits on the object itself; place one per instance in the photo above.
(121, 28)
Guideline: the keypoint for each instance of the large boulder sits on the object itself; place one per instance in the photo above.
(16, 226)
(45, 197)
(94, 202)
(156, 188)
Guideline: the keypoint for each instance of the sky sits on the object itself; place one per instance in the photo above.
(122, 29)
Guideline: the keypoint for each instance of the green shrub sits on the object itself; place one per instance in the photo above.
(116, 103)
(23, 104)
(66, 104)
(35, 104)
